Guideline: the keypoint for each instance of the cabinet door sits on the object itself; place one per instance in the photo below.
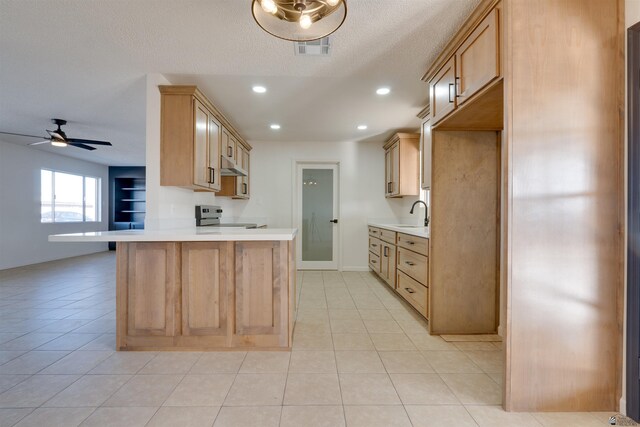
(200, 149)
(152, 289)
(261, 294)
(205, 275)
(228, 145)
(241, 153)
(233, 149)
(214, 154)
(245, 179)
(388, 179)
(395, 169)
(478, 59)
(425, 151)
(442, 91)
(388, 264)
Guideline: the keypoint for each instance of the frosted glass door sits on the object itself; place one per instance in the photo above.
(318, 216)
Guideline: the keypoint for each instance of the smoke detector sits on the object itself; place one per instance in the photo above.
(318, 47)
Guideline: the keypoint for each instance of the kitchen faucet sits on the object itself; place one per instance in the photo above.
(426, 211)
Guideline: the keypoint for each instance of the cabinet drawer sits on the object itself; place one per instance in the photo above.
(388, 236)
(413, 264)
(374, 232)
(413, 243)
(413, 292)
(374, 245)
(374, 262)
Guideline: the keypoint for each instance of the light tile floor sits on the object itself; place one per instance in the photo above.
(361, 357)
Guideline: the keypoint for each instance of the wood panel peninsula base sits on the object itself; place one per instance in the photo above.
(207, 294)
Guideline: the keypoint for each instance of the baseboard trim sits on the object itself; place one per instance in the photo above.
(355, 268)
(623, 406)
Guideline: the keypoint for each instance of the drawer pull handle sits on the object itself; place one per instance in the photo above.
(374, 245)
(410, 242)
(411, 291)
(410, 263)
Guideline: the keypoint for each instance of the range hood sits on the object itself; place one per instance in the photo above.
(229, 168)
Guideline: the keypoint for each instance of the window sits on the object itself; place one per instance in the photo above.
(65, 197)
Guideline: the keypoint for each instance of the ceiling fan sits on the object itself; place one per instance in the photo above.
(58, 138)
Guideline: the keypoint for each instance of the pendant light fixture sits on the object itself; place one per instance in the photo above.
(299, 20)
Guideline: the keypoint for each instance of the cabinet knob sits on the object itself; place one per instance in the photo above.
(411, 291)
(409, 263)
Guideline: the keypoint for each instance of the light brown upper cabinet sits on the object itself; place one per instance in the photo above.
(192, 138)
(477, 59)
(402, 165)
(229, 146)
(242, 184)
(237, 187)
(475, 64)
(442, 90)
(425, 148)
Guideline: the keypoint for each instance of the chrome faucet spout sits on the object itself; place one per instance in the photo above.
(426, 211)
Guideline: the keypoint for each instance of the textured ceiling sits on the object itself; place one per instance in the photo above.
(85, 61)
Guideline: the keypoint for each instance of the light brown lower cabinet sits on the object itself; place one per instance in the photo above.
(205, 295)
(400, 260)
(152, 290)
(414, 292)
(388, 263)
(261, 297)
(205, 278)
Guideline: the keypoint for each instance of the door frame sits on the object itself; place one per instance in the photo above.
(298, 165)
(633, 224)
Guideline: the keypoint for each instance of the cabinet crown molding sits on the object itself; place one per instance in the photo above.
(398, 136)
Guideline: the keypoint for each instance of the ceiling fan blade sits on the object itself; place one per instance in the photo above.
(22, 134)
(88, 141)
(57, 134)
(41, 142)
(80, 145)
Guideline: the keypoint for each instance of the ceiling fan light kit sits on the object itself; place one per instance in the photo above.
(299, 20)
(58, 138)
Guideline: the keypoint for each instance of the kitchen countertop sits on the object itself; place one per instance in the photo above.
(413, 230)
(192, 234)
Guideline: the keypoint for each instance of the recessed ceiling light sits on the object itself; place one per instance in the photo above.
(275, 126)
(259, 89)
(362, 127)
(383, 91)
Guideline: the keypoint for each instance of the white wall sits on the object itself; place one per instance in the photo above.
(23, 238)
(361, 190)
(632, 16)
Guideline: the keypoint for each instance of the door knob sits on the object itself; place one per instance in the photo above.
(335, 221)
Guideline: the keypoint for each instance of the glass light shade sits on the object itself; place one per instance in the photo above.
(269, 6)
(305, 22)
(286, 24)
(58, 143)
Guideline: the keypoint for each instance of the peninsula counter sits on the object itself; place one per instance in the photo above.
(202, 289)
